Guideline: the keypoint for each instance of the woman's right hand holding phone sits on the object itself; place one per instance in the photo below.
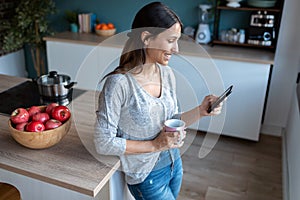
(206, 103)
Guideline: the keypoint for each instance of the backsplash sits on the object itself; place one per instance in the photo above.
(121, 13)
(7, 9)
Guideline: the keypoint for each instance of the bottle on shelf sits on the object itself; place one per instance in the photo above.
(241, 36)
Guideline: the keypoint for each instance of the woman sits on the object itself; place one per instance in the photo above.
(137, 98)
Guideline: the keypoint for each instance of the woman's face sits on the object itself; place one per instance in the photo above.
(160, 48)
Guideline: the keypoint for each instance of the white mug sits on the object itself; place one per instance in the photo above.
(175, 125)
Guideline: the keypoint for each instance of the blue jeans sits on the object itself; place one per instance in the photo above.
(164, 181)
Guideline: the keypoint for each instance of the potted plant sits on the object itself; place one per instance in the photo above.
(28, 27)
(72, 18)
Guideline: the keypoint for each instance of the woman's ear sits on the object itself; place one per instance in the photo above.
(145, 36)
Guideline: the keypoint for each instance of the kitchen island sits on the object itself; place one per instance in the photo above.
(69, 170)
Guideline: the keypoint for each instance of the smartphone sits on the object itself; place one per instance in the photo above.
(220, 99)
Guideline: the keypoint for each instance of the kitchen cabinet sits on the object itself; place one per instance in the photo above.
(238, 18)
(66, 58)
(243, 110)
(13, 64)
(83, 63)
(246, 70)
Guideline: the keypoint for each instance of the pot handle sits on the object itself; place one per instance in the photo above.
(70, 85)
(53, 74)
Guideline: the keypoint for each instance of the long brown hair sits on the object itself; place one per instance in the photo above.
(154, 18)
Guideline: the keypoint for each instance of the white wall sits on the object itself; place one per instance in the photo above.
(291, 156)
(282, 108)
(13, 64)
(287, 60)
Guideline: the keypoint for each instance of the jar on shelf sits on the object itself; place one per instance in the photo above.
(233, 35)
(224, 36)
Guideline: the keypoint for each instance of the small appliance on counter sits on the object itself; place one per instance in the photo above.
(262, 28)
(203, 34)
(262, 19)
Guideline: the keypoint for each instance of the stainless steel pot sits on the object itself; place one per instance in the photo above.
(54, 85)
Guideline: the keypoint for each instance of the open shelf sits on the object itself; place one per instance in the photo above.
(274, 9)
(241, 20)
(240, 44)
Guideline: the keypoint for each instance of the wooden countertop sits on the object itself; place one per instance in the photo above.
(186, 47)
(72, 163)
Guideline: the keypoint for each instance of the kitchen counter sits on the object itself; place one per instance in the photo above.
(71, 164)
(186, 47)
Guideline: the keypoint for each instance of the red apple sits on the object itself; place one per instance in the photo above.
(33, 110)
(41, 117)
(19, 115)
(35, 126)
(21, 126)
(50, 107)
(61, 113)
(52, 123)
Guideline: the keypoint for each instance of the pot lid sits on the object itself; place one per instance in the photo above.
(53, 78)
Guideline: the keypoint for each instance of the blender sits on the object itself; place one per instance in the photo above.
(203, 33)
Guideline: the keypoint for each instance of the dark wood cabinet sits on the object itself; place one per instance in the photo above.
(230, 18)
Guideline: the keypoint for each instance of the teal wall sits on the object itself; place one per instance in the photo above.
(122, 12)
(238, 19)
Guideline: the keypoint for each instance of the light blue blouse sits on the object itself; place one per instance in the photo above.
(127, 112)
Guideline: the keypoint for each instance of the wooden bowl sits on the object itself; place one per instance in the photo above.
(40, 140)
(108, 32)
